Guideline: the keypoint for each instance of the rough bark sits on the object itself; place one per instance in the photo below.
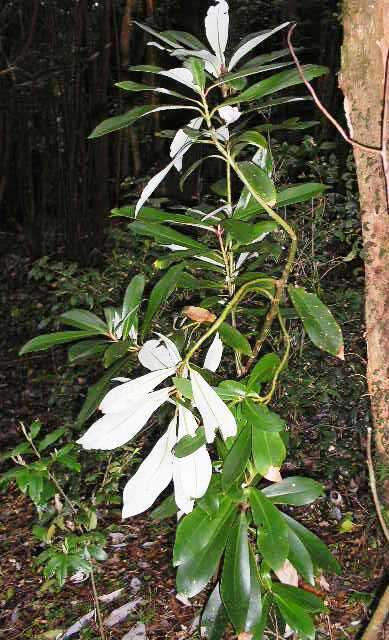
(364, 51)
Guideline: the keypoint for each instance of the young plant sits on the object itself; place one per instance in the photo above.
(232, 256)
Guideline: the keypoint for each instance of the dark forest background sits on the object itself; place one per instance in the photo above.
(59, 60)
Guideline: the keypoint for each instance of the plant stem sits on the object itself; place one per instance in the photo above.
(373, 486)
(97, 604)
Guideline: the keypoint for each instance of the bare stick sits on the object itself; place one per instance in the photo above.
(376, 624)
(373, 485)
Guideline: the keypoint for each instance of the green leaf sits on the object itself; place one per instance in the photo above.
(304, 599)
(253, 622)
(318, 321)
(258, 181)
(273, 541)
(318, 551)
(35, 428)
(197, 68)
(268, 450)
(166, 235)
(50, 438)
(214, 619)
(264, 370)
(289, 195)
(86, 349)
(295, 491)
(246, 233)
(236, 581)
(131, 303)
(190, 444)
(296, 618)
(183, 38)
(237, 457)
(156, 215)
(250, 70)
(160, 294)
(277, 82)
(84, 320)
(145, 68)
(47, 340)
(166, 509)
(129, 85)
(210, 502)
(234, 339)
(260, 417)
(200, 542)
(127, 119)
(97, 391)
(300, 558)
(114, 352)
(230, 390)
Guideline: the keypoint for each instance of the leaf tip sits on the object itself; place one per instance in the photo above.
(340, 353)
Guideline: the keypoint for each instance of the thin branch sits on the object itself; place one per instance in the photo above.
(381, 151)
(373, 486)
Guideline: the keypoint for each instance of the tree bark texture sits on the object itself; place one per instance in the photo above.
(364, 53)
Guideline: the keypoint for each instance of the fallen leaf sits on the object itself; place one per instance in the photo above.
(136, 633)
(287, 574)
(77, 626)
(273, 474)
(120, 614)
(109, 597)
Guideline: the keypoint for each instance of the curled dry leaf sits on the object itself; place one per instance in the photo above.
(245, 636)
(198, 314)
(273, 474)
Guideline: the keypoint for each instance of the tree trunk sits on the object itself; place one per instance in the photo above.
(364, 52)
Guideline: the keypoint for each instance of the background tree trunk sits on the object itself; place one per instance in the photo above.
(364, 51)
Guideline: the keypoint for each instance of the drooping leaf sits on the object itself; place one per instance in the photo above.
(236, 580)
(160, 294)
(294, 491)
(114, 352)
(258, 181)
(86, 349)
(214, 619)
(50, 438)
(263, 370)
(318, 321)
(253, 622)
(166, 235)
(127, 119)
(48, 340)
(190, 444)
(296, 617)
(273, 541)
(234, 339)
(318, 551)
(304, 599)
(84, 320)
(200, 542)
(299, 557)
(237, 457)
(136, 87)
(261, 418)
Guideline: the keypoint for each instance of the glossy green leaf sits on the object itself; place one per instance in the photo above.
(263, 370)
(235, 586)
(167, 509)
(114, 352)
(127, 119)
(183, 38)
(166, 235)
(318, 551)
(285, 197)
(198, 73)
(131, 303)
(84, 320)
(277, 82)
(137, 87)
(300, 558)
(214, 619)
(190, 444)
(250, 70)
(156, 215)
(234, 339)
(160, 36)
(268, 450)
(230, 390)
(253, 622)
(304, 599)
(318, 321)
(97, 391)
(184, 386)
(210, 502)
(260, 417)
(50, 438)
(48, 340)
(160, 294)
(86, 349)
(296, 617)
(145, 68)
(273, 541)
(200, 542)
(237, 458)
(258, 181)
(294, 491)
(246, 233)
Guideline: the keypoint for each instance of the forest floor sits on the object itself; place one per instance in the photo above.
(325, 443)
